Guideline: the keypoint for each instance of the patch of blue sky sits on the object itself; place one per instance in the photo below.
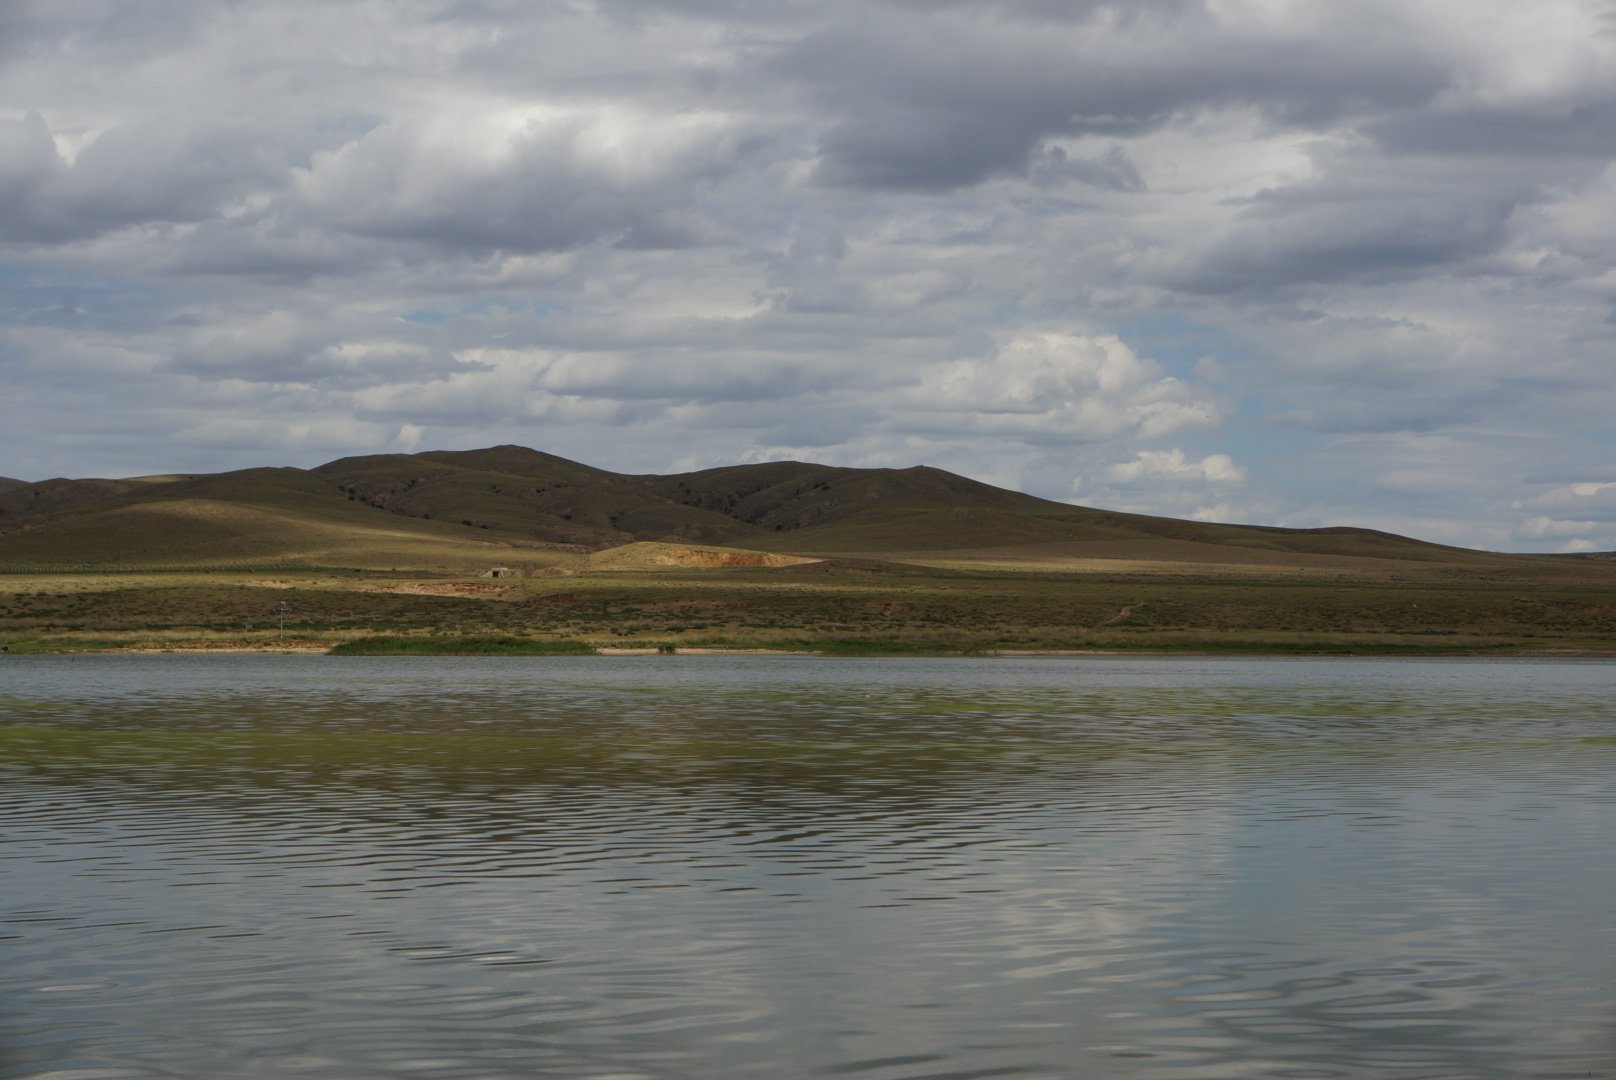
(1002, 314)
(1178, 343)
(350, 124)
(33, 294)
(21, 276)
(428, 318)
(435, 316)
(1255, 445)
(1600, 436)
(1586, 456)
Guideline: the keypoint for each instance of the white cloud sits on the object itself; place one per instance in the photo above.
(1574, 535)
(1591, 499)
(1063, 387)
(525, 179)
(1151, 467)
(1581, 515)
(1168, 482)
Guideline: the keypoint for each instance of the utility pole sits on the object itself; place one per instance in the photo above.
(283, 618)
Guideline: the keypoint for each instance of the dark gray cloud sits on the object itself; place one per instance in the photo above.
(1373, 242)
(955, 99)
(1572, 127)
(132, 175)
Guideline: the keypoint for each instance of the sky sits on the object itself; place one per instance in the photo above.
(1288, 262)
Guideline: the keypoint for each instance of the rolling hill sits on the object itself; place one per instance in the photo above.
(513, 505)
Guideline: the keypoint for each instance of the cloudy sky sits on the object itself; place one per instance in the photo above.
(1292, 262)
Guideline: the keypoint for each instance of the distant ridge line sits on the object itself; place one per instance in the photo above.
(389, 509)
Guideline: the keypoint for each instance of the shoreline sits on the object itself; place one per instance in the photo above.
(607, 652)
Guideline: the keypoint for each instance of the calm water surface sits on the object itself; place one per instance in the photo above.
(754, 867)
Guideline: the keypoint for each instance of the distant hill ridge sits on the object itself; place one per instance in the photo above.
(514, 496)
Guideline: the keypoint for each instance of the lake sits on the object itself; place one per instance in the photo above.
(777, 867)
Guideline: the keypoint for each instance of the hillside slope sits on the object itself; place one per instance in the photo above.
(251, 516)
(467, 507)
(822, 508)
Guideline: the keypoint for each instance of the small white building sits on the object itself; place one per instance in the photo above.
(498, 571)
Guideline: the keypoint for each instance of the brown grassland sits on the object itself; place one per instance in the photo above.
(845, 605)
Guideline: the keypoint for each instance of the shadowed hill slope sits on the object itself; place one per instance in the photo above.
(549, 499)
(465, 505)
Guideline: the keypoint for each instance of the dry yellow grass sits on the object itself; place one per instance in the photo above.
(654, 557)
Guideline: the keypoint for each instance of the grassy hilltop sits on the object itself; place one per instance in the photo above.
(777, 555)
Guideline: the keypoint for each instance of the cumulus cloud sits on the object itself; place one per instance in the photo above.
(1056, 387)
(532, 179)
(1166, 482)
(1588, 498)
(998, 237)
(1150, 467)
(1582, 516)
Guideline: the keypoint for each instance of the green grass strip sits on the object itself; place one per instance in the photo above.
(461, 646)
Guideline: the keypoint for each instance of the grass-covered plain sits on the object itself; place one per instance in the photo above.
(843, 606)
